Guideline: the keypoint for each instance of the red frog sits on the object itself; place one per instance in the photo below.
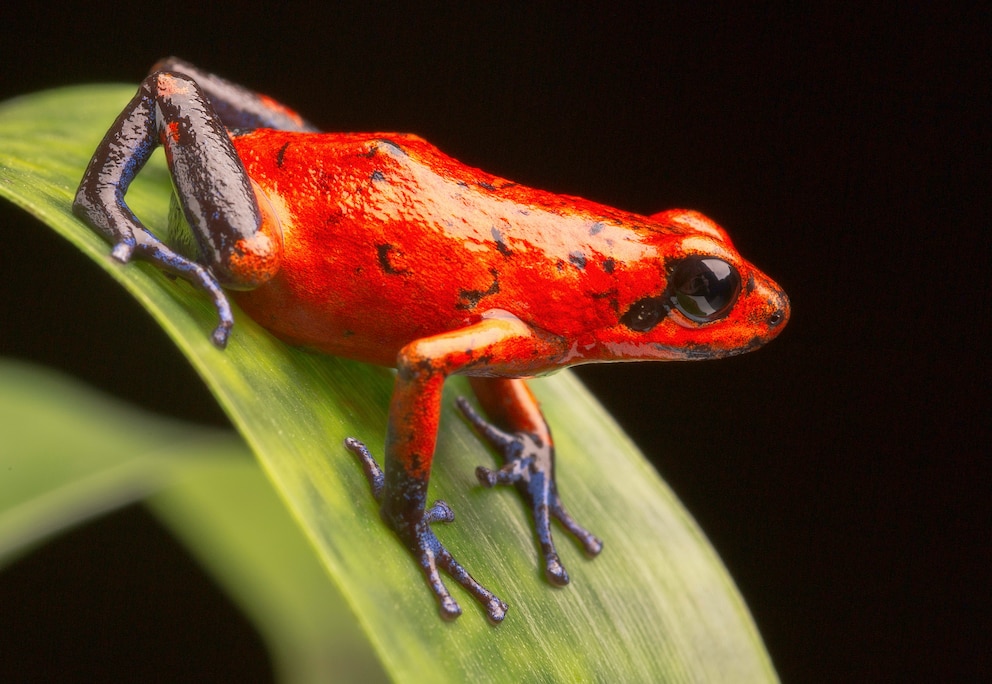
(381, 248)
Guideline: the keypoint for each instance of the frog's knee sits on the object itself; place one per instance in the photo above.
(254, 259)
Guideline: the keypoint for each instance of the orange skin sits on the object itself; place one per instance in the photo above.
(369, 266)
(380, 248)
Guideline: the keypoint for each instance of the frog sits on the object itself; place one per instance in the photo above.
(381, 248)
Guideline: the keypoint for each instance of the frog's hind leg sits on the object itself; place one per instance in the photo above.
(528, 456)
(217, 198)
(237, 106)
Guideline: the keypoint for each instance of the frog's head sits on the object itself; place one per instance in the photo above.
(701, 300)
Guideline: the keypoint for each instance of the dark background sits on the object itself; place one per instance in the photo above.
(839, 472)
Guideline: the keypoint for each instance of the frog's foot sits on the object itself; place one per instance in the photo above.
(529, 464)
(144, 245)
(431, 555)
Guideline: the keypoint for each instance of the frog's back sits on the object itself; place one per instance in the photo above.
(388, 240)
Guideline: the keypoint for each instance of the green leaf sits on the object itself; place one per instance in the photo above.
(657, 605)
(228, 515)
(202, 483)
(100, 456)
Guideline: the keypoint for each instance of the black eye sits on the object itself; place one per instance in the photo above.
(704, 289)
(644, 314)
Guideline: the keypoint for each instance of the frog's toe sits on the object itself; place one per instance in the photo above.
(591, 544)
(220, 335)
(555, 572)
(439, 512)
(123, 251)
(494, 606)
(496, 610)
(490, 478)
(449, 608)
(373, 473)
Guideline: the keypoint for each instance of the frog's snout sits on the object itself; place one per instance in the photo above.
(777, 308)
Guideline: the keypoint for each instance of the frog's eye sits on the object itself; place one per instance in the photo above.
(644, 314)
(704, 288)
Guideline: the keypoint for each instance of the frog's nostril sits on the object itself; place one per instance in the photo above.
(781, 313)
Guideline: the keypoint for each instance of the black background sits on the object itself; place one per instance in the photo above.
(839, 472)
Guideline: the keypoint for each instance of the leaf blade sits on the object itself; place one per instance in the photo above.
(202, 483)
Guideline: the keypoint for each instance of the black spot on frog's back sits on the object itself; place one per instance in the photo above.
(469, 299)
(281, 155)
(384, 253)
(501, 245)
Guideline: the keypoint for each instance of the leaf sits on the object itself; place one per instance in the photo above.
(202, 483)
(657, 605)
(101, 457)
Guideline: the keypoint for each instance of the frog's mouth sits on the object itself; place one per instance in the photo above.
(701, 351)
(686, 351)
(705, 352)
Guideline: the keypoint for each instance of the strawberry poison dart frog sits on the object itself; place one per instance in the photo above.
(379, 247)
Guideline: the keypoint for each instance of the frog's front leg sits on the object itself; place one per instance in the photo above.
(237, 242)
(528, 463)
(401, 489)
